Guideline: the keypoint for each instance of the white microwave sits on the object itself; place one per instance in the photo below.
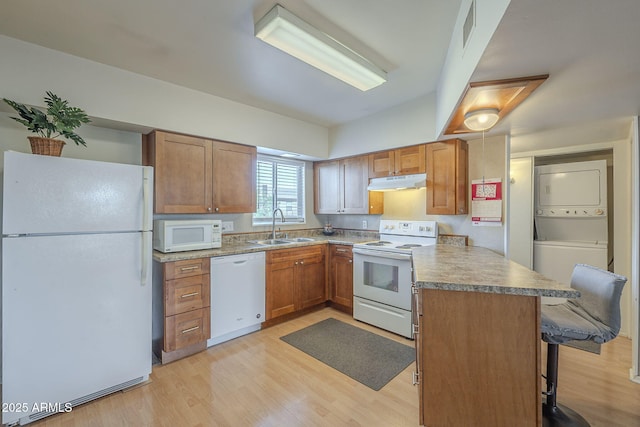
(186, 235)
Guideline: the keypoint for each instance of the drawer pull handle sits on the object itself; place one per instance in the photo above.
(192, 294)
(194, 267)
(341, 250)
(195, 328)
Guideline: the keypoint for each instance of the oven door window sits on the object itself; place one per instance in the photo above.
(381, 276)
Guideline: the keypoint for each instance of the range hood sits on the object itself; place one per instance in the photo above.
(402, 182)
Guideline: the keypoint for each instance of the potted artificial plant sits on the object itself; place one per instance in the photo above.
(60, 119)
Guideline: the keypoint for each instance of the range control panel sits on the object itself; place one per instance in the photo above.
(409, 228)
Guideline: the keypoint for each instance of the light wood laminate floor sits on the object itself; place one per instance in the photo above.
(259, 380)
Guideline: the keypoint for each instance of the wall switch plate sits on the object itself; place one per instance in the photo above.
(364, 224)
(227, 226)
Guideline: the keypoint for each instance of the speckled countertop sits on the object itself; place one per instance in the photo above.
(476, 269)
(243, 247)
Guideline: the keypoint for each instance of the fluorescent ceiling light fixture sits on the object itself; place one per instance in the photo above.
(287, 32)
(482, 119)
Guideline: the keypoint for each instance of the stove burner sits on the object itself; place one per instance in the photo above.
(380, 243)
(408, 246)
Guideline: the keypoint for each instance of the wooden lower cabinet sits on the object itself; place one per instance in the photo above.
(478, 359)
(295, 280)
(186, 308)
(341, 276)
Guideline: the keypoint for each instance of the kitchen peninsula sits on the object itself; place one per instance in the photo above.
(478, 339)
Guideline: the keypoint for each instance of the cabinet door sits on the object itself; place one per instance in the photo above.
(381, 164)
(403, 161)
(234, 178)
(280, 285)
(447, 177)
(410, 160)
(462, 173)
(354, 174)
(341, 275)
(311, 282)
(326, 178)
(182, 172)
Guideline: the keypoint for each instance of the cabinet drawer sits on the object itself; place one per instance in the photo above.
(188, 293)
(186, 268)
(283, 255)
(341, 251)
(188, 328)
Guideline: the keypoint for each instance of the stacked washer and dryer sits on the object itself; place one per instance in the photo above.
(571, 218)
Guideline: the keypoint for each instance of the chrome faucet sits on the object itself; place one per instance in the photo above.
(273, 226)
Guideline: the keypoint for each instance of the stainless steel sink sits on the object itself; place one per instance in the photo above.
(269, 242)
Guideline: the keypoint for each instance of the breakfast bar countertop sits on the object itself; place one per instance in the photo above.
(476, 269)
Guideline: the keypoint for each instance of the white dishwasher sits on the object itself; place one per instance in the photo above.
(237, 295)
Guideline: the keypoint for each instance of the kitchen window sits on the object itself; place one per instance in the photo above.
(280, 184)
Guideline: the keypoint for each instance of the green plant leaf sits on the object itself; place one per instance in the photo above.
(60, 118)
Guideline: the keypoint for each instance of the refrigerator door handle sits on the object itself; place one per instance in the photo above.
(146, 244)
(147, 183)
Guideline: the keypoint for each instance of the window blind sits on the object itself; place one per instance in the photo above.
(280, 184)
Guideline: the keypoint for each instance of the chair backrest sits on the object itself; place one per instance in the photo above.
(600, 293)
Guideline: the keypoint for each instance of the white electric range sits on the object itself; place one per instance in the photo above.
(382, 274)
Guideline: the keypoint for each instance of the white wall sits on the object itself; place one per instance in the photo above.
(408, 124)
(461, 63)
(107, 145)
(520, 225)
(136, 102)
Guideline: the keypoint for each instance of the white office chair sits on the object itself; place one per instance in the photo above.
(595, 316)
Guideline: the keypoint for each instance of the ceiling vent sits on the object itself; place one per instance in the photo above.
(469, 24)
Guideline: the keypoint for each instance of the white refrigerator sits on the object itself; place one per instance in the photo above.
(76, 282)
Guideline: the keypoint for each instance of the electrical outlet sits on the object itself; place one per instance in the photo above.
(364, 224)
(227, 226)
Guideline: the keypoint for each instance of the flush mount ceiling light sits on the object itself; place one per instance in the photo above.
(287, 32)
(503, 96)
(482, 119)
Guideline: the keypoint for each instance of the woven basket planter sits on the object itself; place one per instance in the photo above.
(46, 146)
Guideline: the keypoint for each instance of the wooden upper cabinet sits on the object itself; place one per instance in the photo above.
(196, 175)
(354, 179)
(447, 170)
(234, 177)
(182, 172)
(326, 182)
(402, 161)
(381, 164)
(340, 187)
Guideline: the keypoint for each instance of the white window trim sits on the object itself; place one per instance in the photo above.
(301, 219)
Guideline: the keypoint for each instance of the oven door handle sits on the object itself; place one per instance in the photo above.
(382, 254)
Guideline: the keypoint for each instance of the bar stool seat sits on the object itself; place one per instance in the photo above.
(595, 316)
